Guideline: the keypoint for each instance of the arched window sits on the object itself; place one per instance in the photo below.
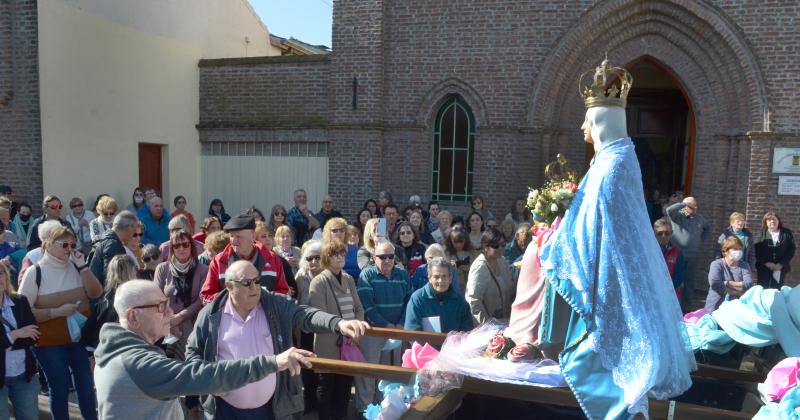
(453, 151)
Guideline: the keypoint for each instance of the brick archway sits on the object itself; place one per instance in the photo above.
(435, 97)
(698, 44)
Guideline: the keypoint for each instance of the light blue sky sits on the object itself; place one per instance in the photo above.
(307, 20)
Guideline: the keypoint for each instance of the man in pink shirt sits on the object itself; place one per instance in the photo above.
(245, 320)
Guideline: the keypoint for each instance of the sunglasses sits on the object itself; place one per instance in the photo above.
(138, 235)
(313, 258)
(279, 214)
(108, 214)
(338, 254)
(162, 306)
(66, 244)
(496, 245)
(406, 232)
(663, 233)
(338, 230)
(385, 256)
(148, 259)
(76, 206)
(55, 206)
(184, 245)
(247, 282)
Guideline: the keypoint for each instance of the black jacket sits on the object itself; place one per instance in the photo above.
(103, 250)
(33, 234)
(767, 251)
(23, 317)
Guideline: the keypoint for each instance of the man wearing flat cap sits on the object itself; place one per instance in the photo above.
(243, 246)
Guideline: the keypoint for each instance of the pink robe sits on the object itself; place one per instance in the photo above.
(526, 312)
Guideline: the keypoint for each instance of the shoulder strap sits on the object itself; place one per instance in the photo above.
(38, 276)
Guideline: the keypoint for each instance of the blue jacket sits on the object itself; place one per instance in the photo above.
(384, 300)
(155, 232)
(451, 308)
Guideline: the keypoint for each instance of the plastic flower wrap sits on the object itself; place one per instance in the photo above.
(552, 200)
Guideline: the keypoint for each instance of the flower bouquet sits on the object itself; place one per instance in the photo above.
(552, 200)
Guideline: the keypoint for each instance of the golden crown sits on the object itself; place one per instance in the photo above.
(599, 93)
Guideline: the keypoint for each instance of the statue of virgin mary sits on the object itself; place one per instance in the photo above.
(596, 293)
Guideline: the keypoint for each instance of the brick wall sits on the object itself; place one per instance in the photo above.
(516, 65)
(20, 130)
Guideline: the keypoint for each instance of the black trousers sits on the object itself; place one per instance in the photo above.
(333, 396)
(228, 412)
(308, 376)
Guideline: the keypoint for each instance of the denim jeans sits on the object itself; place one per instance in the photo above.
(56, 363)
(24, 396)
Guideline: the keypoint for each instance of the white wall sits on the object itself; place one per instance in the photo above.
(117, 73)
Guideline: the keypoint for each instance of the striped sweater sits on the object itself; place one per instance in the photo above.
(384, 299)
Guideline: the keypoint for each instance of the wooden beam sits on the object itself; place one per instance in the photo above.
(437, 339)
(432, 407)
(553, 396)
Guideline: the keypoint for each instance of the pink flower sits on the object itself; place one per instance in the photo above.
(418, 355)
(499, 346)
(522, 353)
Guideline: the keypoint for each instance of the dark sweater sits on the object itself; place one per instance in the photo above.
(23, 317)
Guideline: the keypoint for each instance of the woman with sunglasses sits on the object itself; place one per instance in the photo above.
(310, 267)
(412, 252)
(490, 287)
(106, 209)
(51, 209)
(18, 366)
(460, 253)
(59, 287)
(334, 291)
(180, 278)
(277, 217)
(151, 257)
(79, 219)
(133, 246)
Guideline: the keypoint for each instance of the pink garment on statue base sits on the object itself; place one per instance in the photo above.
(782, 378)
(526, 312)
(419, 355)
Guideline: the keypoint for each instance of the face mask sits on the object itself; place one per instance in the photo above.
(735, 254)
(138, 200)
(24, 217)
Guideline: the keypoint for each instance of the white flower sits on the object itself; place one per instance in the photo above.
(538, 207)
(554, 207)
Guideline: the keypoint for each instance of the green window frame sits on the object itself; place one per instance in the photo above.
(453, 151)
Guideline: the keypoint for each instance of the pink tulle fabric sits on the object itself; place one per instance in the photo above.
(419, 355)
(782, 378)
(693, 317)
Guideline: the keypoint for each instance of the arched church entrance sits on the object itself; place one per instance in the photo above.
(661, 125)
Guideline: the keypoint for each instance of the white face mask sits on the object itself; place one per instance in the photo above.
(138, 200)
(735, 254)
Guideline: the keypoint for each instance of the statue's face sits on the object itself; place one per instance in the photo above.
(587, 131)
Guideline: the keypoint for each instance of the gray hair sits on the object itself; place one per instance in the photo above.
(662, 223)
(124, 220)
(180, 222)
(131, 294)
(414, 199)
(523, 228)
(383, 242)
(438, 262)
(46, 229)
(153, 199)
(434, 249)
(310, 247)
(234, 270)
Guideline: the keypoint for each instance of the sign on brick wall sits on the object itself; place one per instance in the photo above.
(786, 160)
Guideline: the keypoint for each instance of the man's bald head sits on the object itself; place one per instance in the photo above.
(240, 270)
(135, 293)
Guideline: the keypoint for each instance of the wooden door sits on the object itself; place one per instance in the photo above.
(150, 175)
(657, 123)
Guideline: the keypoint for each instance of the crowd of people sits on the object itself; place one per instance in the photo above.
(140, 310)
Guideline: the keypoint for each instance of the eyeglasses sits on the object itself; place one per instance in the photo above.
(56, 206)
(247, 282)
(138, 235)
(313, 258)
(138, 195)
(66, 244)
(184, 245)
(406, 232)
(279, 214)
(108, 214)
(385, 256)
(338, 254)
(663, 233)
(162, 306)
(338, 230)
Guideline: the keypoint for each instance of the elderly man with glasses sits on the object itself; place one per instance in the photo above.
(245, 320)
(384, 291)
(136, 380)
(673, 255)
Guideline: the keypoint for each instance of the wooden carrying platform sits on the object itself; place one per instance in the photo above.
(437, 407)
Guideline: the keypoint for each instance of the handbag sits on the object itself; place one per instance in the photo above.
(347, 350)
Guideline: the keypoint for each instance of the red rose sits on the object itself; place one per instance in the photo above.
(522, 353)
(499, 346)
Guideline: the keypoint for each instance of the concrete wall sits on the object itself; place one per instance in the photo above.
(114, 74)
